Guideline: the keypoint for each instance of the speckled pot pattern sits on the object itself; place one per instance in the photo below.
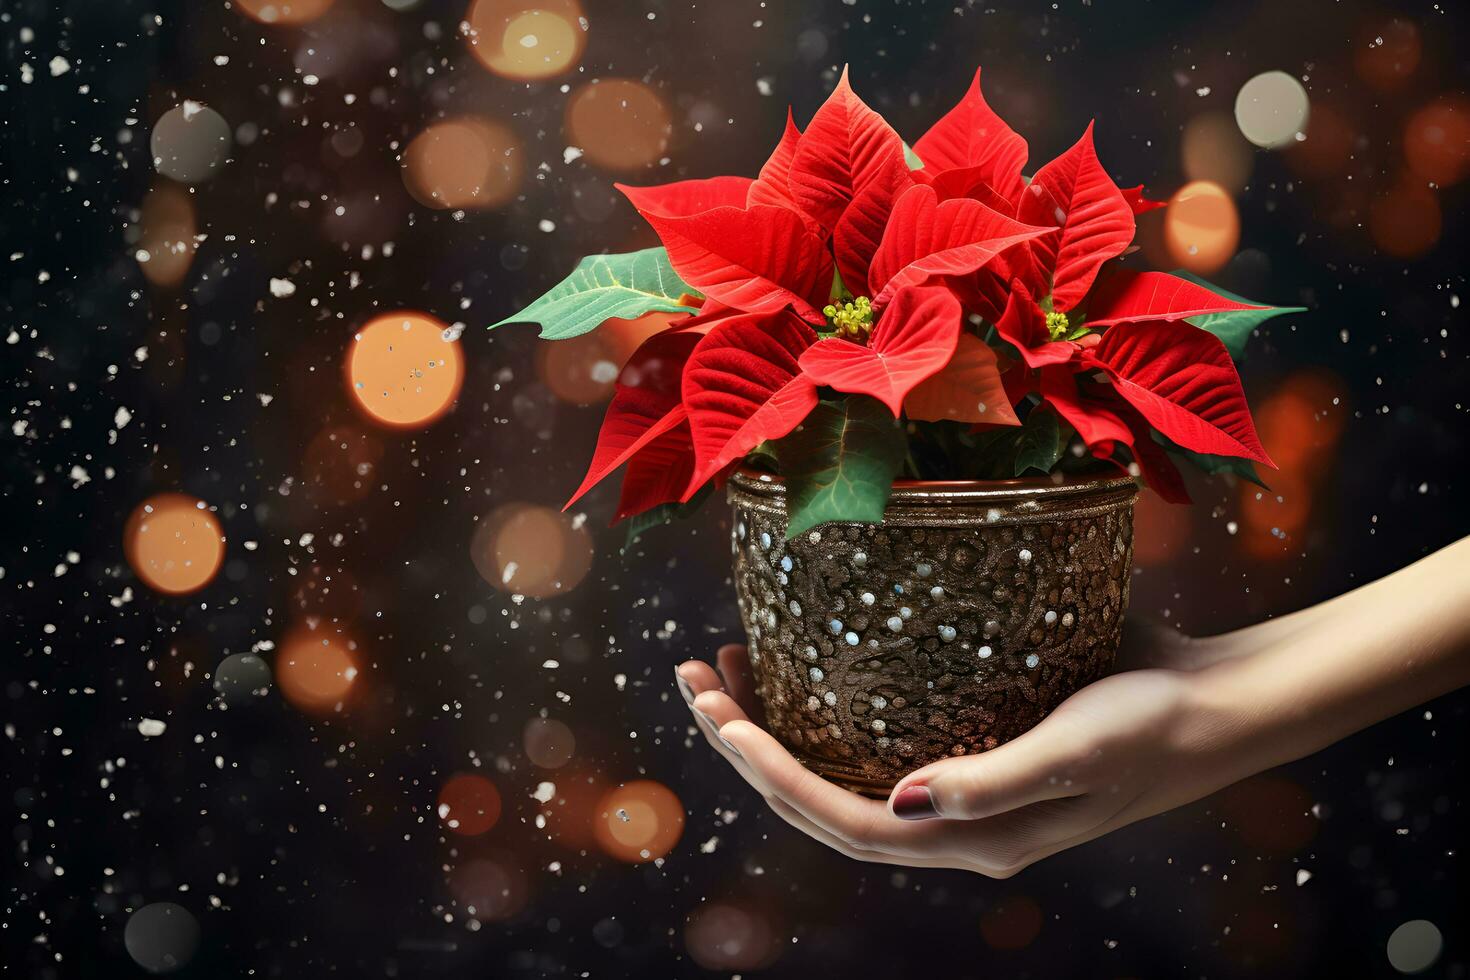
(958, 623)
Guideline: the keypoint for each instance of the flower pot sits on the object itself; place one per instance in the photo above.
(958, 623)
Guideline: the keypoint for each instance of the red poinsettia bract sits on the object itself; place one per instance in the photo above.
(843, 268)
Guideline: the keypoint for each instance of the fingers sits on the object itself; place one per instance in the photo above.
(734, 663)
(694, 677)
(858, 821)
(1040, 765)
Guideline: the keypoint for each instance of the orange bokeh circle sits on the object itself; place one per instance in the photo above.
(284, 11)
(619, 123)
(584, 370)
(469, 804)
(1405, 221)
(1201, 227)
(531, 550)
(316, 668)
(1387, 54)
(526, 39)
(1437, 141)
(465, 162)
(173, 543)
(401, 370)
(638, 821)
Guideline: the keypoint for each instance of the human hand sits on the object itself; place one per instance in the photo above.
(1129, 746)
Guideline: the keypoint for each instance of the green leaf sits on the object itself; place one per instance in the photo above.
(602, 287)
(1234, 328)
(1212, 464)
(1041, 442)
(840, 462)
(664, 514)
(911, 158)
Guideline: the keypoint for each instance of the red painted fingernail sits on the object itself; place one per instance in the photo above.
(915, 803)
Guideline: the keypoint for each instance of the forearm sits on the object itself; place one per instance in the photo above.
(1345, 664)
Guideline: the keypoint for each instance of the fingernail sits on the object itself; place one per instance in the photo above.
(684, 687)
(729, 745)
(706, 719)
(915, 803)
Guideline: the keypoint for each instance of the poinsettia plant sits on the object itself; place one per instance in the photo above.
(863, 311)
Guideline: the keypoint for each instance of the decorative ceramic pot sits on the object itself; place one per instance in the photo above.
(958, 623)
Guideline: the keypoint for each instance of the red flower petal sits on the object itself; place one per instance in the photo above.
(861, 228)
(658, 474)
(685, 197)
(1181, 379)
(645, 405)
(1074, 193)
(972, 138)
(1128, 295)
(1139, 203)
(926, 237)
(1158, 470)
(967, 389)
(742, 386)
(846, 146)
(1023, 325)
(914, 338)
(1095, 423)
(771, 186)
(757, 259)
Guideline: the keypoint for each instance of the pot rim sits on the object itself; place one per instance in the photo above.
(765, 484)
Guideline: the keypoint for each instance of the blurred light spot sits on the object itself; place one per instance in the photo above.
(166, 225)
(1415, 946)
(340, 464)
(1161, 530)
(1387, 54)
(549, 743)
(1405, 220)
(316, 668)
(526, 39)
(284, 11)
(1012, 924)
(1328, 145)
(1271, 109)
(530, 550)
(584, 370)
(465, 162)
(190, 143)
(401, 370)
(161, 937)
(570, 812)
(469, 804)
(724, 937)
(173, 543)
(1437, 141)
(491, 889)
(242, 679)
(620, 124)
(640, 821)
(1212, 149)
(1201, 227)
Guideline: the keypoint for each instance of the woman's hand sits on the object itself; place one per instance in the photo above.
(1195, 716)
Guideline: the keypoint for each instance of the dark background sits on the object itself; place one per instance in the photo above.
(308, 845)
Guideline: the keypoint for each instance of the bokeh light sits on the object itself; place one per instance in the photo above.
(526, 39)
(584, 370)
(1405, 220)
(619, 123)
(570, 807)
(490, 888)
(1386, 54)
(465, 162)
(638, 821)
(1013, 923)
(316, 668)
(403, 370)
(167, 224)
(1328, 144)
(1212, 149)
(1161, 530)
(531, 550)
(341, 463)
(727, 937)
(1437, 141)
(173, 543)
(190, 143)
(1201, 227)
(284, 11)
(1271, 109)
(1414, 946)
(469, 804)
(242, 679)
(161, 937)
(549, 743)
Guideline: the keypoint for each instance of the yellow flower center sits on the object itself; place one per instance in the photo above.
(852, 320)
(1057, 325)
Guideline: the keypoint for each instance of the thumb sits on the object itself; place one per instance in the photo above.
(1037, 766)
